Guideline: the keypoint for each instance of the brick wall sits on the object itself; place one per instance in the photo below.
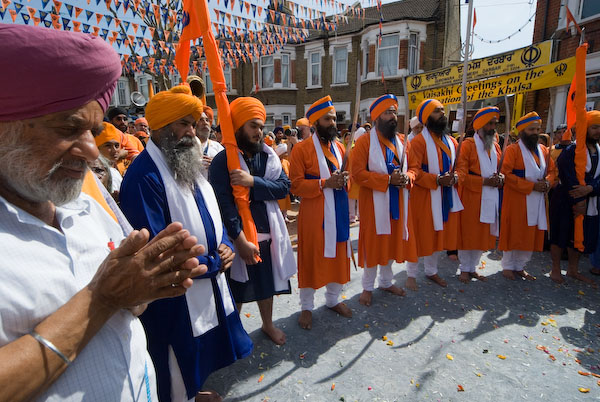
(371, 58)
(403, 54)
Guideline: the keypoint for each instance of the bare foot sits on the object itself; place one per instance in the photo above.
(525, 274)
(342, 310)
(276, 335)
(365, 298)
(208, 396)
(477, 276)
(557, 277)
(305, 320)
(508, 274)
(436, 278)
(411, 283)
(395, 290)
(464, 277)
(581, 277)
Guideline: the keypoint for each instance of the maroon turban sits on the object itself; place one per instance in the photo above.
(47, 71)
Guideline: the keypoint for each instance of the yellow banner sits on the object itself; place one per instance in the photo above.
(504, 63)
(551, 75)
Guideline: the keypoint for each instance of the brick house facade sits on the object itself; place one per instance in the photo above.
(418, 35)
(550, 23)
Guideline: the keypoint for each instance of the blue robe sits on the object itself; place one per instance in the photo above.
(260, 284)
(561, 203)
(167, 322)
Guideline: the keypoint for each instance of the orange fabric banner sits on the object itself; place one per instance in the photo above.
(196, 23)
(581, 124)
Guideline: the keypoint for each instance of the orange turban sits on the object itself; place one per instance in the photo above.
(319, 108)
(244, 109)
(528, 120)
(484, 115)
(303, 122)
(109, 133)
(167, 106)
(268, 140)
(209, 113)
(593, 117)
(141, 120)
(426, 107)
(382, 104)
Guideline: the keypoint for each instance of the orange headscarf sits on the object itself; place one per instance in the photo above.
(426, 107)
(319, 108)
(110, 133)
(528, 120)
(484, 116)
(381, 104)
(244, 109)
(167, 106)
(593, 117)
(209, 113)
(141, 120)
(303, 122)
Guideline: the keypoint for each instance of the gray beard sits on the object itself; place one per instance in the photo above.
(488, 140)
(20, 172)
(185, 162)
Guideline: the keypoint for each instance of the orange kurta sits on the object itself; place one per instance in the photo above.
(285, 203)
(374, 249)
(314, 270)
(515, 234)
(473, 235)
(428, 240)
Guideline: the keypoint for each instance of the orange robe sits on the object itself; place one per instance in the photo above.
(285, 203)
(428, 240)
(314, 270)
(473, 235)
(374, 249)
(515, 234)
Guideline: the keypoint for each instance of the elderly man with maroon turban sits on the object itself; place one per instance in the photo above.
(69, 278)
(257, 273)
(190, 336)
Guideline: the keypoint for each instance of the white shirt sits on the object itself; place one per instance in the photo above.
(209, 148)
(41, 269)
(117, 179)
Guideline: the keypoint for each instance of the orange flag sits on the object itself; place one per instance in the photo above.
(571, 110)
(580, 148)
(570, 19)
(196, 23)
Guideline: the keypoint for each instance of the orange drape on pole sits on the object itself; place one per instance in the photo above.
(196, 23)
(581, 125)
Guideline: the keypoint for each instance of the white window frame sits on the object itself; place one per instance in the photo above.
(592, 17)
(385, 48)
(286, 66)
(412, 61)
(335, 63)
(261, 66)
(208, 83)
(269, 123)
(286, 119)
(122, 84)
(311, 64)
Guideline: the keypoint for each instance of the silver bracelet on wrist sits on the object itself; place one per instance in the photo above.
(50, 346)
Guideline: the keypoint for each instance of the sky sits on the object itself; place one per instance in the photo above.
(498, 19)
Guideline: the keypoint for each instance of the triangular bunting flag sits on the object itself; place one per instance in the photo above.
(76, 26)
(69, 9)
(26, 18)
(65, 23)
(57, 5)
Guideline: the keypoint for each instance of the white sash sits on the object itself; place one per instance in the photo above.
(381, 200)
(330, 231)
(434, 168)
(536, 201)
(490, 196)
(183, 208)
(592, 203)
(282, 255)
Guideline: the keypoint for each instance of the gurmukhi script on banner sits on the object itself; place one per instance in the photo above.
(550, 75)
(516, 60)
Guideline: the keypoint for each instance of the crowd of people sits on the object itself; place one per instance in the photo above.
(141, 217)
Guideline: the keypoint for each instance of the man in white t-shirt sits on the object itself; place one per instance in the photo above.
(209, 148)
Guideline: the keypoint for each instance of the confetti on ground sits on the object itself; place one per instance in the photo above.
(367, 325)
(449, 356)
(384, 338)
(248, 315)
(390, 343)
(302, 356)
(584, 373)
(262, 377)
(344, 297)
(460, 388)
(595, 375)
(501, 357)
(478, 374)
(332, 386)
(584, 390)
(552, 358)
(369, 388)
(581, 292)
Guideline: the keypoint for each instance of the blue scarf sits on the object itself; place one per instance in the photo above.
(394, 191)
